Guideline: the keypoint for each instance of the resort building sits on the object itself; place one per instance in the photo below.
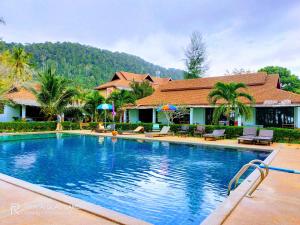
(121, 80)
(23, 105)
(273, 107)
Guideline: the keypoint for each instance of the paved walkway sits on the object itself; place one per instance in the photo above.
(19, 206)
(277, 200)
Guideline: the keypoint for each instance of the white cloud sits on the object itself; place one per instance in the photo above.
(159, 48)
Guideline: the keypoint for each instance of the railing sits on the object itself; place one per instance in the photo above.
(263, 173)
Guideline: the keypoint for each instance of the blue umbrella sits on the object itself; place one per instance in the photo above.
(165, 108)
(105, 107)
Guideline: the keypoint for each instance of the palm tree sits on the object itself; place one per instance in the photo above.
(18, 65)
(141, 89)
(54, 94)
(120, 99)
(228, 97)
(92, 100)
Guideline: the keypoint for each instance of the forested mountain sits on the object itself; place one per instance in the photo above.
(87, 65)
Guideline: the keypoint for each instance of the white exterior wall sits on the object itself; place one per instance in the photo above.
(9, 113)
(297, 116)
(133, 115)
(198, 115)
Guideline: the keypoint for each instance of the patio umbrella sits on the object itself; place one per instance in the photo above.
(105, 107)
(165, 108)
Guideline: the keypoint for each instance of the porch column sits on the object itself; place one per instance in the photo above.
(239, 119)
(125, 116)
(23, 112)
(191, 115)
(297, 117)
(153, 115)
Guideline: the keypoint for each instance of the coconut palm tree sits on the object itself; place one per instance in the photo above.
(141, 89)
(55, 94)
(120, 99)
(227, 97)
(19, 62)
(92, 100)
(18, 66)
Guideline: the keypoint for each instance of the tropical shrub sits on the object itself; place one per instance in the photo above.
(27, 126)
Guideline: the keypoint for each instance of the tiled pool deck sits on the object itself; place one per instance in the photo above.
(276, 201)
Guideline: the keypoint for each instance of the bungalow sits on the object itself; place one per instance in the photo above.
(121, 80)
(273, 107)
(24, 106)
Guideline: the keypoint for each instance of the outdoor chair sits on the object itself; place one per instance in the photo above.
(184, 130)
(216, 134)
(163, 132)
(139, 129)
(99, 128)
(249, 134)
(155, 127)
(111, 127)
(83, 125)
(199, 130)
(264, 137)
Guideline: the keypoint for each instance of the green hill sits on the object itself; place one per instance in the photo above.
(87, 65)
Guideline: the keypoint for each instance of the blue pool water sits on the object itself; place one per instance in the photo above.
(159, 182)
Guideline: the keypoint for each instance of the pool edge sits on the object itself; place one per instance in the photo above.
(79, 204)
(223, 211)
(218, 216)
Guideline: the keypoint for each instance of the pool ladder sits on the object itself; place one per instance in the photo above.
(263, 174)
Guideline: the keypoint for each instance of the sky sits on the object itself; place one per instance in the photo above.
(237, 33)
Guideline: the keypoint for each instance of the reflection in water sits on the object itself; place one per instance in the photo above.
(100, 140)
(24, 161)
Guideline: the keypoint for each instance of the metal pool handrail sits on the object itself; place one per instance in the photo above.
(236, 178)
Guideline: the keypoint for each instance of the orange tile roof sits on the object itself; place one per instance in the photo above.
(22, 96)
(263, 87)
(125, 78)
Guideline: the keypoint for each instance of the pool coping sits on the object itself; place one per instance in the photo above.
(76, 203)
(218, 216)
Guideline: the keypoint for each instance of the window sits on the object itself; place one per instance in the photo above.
(209, 116)
(275, 117)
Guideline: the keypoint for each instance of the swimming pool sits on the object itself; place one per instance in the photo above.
(159, 182)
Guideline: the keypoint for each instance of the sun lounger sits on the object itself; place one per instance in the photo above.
(155, 127)
(83, 125)
(200, 130)
(265, 136)
(111, 127)
(249, 134)
(139, 129)
(184, 129)
(100, 128)
(163, 132)
(216, 134)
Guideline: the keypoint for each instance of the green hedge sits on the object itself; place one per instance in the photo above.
(280, 134)
(70, 126)
(27, 126)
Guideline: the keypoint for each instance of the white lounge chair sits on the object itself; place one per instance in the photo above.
(163, 132)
